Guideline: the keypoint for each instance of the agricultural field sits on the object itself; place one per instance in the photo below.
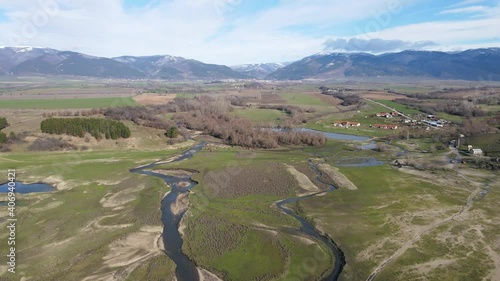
(75, 103)
(302, 99)
(399, 107)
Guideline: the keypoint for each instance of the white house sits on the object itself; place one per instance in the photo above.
(476, 151)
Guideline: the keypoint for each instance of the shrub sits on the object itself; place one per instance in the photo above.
(3, 123)
(3, 138)
(50, 144)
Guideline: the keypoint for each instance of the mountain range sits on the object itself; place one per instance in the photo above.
(259, 70)
(476, 65)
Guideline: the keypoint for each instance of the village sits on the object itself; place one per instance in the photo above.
(416, 120)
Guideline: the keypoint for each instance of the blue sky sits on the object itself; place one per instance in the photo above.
(3, 16)
(249, 31)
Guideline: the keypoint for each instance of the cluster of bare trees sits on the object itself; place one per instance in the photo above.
(50, 144)
(487, 100)
(474, 128)
(296, 113)
(347, 99)
(241, 132)
(144, 116)
(237, 101)
(68, 113)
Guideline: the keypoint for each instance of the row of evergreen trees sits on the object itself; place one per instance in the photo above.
(77, 127)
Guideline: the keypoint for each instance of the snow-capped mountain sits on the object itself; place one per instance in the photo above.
(259, 70)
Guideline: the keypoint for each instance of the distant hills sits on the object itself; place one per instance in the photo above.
(44, 61)
(259, 70)
(178, 68)
(475, 65)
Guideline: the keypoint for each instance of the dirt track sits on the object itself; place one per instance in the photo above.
(424, 230)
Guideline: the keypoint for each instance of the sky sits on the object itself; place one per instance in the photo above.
(233, 32)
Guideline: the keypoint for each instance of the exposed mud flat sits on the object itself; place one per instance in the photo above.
(181, 204)
(306, 185)
(337, 177)
(207, 276)
(135, 247)
(175, 173)
(119, 199)
(126, 254)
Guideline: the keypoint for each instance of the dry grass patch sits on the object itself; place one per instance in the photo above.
(267, 179)
(154, 99)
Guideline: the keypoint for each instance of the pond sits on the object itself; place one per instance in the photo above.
(27, 188)
(336, 136)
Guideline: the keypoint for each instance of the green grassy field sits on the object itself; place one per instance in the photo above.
(489, 143)
(399, 107)
(389, 209)
(260, 115)
(239, 235)
(365, 116)
(302, 99)
(66, 103)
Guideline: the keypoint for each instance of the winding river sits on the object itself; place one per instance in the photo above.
(185, 268)
(311, 231)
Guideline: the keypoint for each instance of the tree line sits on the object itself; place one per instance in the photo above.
(347, 99)
(77, 127)
(241, 132)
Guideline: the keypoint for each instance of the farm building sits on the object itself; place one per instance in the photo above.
(387, 114)
(476, 151)
(346, 124)
(385, 126)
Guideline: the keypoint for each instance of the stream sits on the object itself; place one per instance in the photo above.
(185, 268)
(311, 231)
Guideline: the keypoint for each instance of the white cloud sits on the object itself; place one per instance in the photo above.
(374, 45)
(448, 34)
(471, 9)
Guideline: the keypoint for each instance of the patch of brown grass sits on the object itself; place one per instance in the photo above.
(272, 98)
(233, 182)
(154, 99)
